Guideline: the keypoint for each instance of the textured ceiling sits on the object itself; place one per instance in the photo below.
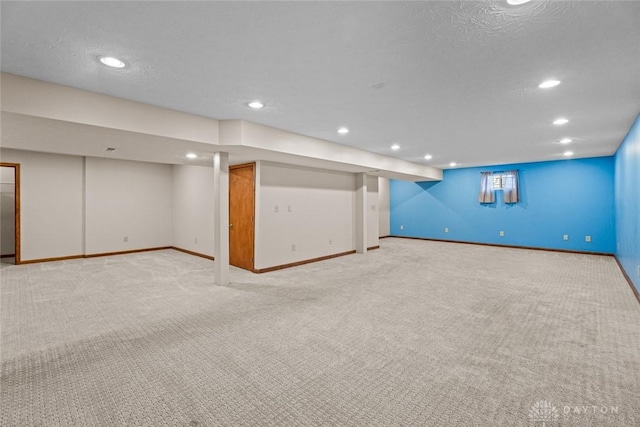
(457, 80)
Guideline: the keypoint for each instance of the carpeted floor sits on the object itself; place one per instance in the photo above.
(416, 333)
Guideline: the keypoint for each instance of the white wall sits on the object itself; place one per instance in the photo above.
(193, 208)
(7, 210)
(316, 213)
(51, 199)
(73, 206)
(384, 210)
(127, 199)
(373, 235)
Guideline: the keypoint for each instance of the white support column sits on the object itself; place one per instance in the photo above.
(361, 213)
(221, 217)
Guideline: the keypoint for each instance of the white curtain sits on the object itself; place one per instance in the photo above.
(511, 190)
(487, 195)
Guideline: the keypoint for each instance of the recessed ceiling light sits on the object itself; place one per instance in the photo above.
(568, 153)
(191, 156)
(560, 121)
(517, 2)
(452, 164)
(548, 84)
(343, 130)
(395, 147)
(565, 140)
(428, 157)
(112, 62)
(256, 105)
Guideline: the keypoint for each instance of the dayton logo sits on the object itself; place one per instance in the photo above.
(543, 412)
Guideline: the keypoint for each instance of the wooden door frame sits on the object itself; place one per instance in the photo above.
(16, 207)
(253, 168)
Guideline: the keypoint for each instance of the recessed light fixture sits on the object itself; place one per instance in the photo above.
(517, 2)
(343, 130)
(452, 164)
(112, 62)
(428, 157)
(191, 156)
(548, 84)
(256, 105)
(565, 140)
(395, 147)
(560, 121)
(567, 153)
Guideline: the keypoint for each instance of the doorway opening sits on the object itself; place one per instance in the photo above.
(9, 213)
(242, 187)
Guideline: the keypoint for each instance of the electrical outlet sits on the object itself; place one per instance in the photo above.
(276, 209)
(330, 242)
(402, 227)
(293, 247)
(565, 237)
(195, 240)
(373, 207)
(587, 239)
(126, 239)
(289, 208)
(502, 234)
(446, 229)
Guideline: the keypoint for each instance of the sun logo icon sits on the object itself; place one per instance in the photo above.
(543, 412)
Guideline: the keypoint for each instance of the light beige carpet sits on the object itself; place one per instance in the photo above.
(416, 333)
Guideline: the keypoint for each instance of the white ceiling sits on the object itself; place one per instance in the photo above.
(455, 79)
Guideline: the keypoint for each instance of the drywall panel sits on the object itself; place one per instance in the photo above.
(566, 197)
(7, 210)
(193, 208)
(292, 148)
(304, 214)
(51, 203)
(384, 213)
(627, 202)
(38, 98)
(128, 205)
(373, 202)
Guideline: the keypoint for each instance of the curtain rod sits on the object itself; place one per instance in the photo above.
(517, 170)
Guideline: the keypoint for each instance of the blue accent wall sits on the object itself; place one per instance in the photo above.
(627, 191)
(573, 197)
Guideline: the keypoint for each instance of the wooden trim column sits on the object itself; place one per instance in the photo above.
(221, 217)
(16, 209)
(361, 213)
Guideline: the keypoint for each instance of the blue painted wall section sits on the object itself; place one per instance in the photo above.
(627, 191)
(573, 197)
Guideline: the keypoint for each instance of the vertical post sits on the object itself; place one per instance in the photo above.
(361, 213)
(221, 217)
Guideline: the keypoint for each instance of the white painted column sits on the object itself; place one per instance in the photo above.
(221, 217)
(361, 213)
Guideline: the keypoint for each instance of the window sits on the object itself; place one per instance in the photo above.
(502, 180)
